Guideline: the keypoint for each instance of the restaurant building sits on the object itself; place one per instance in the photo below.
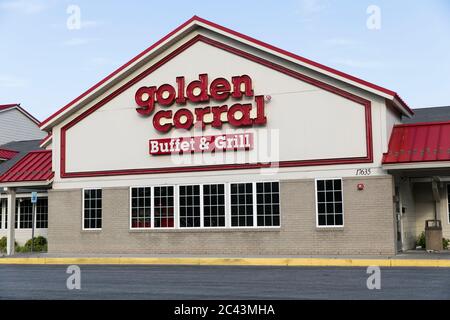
(212, 142)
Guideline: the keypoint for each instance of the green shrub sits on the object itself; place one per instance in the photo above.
(3, 244)
(421, 240)
(445, 243)
(40, 245)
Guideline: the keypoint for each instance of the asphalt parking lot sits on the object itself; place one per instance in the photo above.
(221, 282)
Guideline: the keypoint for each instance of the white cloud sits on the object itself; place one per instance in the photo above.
(8, 81)
(74, 42)
(23, 6)
(362, 64)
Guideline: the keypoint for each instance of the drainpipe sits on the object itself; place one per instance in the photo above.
(436, 197)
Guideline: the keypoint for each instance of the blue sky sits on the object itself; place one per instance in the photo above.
(44, 65)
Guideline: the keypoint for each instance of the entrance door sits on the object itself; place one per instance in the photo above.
(398, 219)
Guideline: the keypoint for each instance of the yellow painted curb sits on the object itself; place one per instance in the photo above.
(294, 262)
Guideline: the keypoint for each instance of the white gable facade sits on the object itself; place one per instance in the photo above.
(212, 143)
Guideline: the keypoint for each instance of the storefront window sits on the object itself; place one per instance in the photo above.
(214, 205)
(189, 206)
(26, 214)
(206, 205)
(42, 213)
(241, 204)
(329, 203)
(268, 204)
(164, 207)
(141, 207)
(92, 209)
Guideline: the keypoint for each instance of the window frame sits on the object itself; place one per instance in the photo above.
(317, 204)
(152, 208)
(37, 213)
(255, 215)
(227, 194)
(200, 185)
(253, 205)
(83, 211)
(21, 214)
(226, 204)
(255, 199)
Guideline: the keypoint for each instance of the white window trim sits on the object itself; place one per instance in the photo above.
(152, 208)
(35, 220)
(176, 226)
(82, 210)
(279, 203)
(225, 188)
(201, 205)
(317, 203)
(18, 212)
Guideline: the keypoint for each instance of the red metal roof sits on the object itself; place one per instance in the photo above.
(35, 166)
(7, 154)
(419, 142)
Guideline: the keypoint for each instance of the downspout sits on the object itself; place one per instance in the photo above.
(436, 196)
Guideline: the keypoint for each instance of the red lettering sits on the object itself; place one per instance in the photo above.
(170, 99)
(237, 90)
(220, 89)
(200, 113)
(202, 85)
(181, 99)
(157, 120)
(145, 99)
(244, 120)
(183, 125)
(217, 112)
(260, 116)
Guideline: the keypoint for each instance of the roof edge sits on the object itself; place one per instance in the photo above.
(46, 124)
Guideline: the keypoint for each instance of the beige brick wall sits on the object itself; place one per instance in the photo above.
(369, 226)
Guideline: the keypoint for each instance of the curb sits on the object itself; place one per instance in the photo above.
(291, 262)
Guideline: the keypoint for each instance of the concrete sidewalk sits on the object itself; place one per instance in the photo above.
(406, 259)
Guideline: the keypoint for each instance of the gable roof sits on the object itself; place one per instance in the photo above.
(197, 22)
(5, 107)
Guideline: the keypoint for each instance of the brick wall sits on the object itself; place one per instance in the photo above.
(369, 226)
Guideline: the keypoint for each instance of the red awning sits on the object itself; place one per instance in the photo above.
(419, 142)
(7, 154)
(35, 166)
